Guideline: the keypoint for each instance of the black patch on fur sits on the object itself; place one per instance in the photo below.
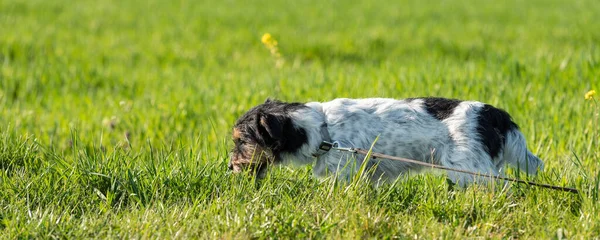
(271, 126)
(493, 125)
(440, 108)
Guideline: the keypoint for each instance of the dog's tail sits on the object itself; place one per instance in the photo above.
(517, 154)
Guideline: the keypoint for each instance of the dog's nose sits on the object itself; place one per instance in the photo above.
(230, 166)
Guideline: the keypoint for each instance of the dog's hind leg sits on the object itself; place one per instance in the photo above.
(471, 161)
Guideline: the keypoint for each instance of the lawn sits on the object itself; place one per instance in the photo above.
(115, 116)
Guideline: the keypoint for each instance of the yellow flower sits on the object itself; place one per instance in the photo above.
(268, 40)
(590, 95)
(271, 44)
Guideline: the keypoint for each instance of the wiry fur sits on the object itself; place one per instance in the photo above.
(465, 135)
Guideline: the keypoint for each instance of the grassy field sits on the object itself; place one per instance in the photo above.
(115, 116)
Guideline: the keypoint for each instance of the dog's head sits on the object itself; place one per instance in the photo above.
(262, 134)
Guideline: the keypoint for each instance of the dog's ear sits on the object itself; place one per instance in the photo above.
(270, 128)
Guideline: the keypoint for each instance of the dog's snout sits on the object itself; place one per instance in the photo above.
(230, 166)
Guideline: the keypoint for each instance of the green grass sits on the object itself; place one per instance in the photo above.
(115, 115)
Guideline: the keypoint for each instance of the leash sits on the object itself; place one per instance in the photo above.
(326, 146)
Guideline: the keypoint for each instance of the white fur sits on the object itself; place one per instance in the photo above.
(405, 129)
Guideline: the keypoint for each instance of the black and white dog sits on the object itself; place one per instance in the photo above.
(459, 134)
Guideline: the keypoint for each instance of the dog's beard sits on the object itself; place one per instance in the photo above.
(253, 159)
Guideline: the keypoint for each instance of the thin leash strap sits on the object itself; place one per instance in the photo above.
(379, 155)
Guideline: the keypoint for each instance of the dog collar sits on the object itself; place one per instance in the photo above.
(324, 147)
(327, 144)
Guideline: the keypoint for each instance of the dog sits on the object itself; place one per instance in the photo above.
(459, 134)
